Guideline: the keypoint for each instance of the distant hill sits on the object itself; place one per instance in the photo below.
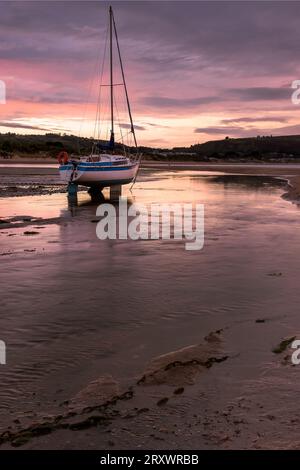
(260, 147)
(269, 148)
(42, 145)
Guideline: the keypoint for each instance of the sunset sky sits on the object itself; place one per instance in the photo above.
(196, 71)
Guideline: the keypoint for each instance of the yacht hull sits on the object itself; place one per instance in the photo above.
(98, 174)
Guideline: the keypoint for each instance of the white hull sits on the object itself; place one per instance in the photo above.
(102, 174)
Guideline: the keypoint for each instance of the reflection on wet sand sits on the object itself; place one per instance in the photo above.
(80, 314)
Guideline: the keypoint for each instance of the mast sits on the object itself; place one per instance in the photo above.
(112, 19)
(112, 135)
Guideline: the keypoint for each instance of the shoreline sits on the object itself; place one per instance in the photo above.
(158, 397)
(293, 190)
(288, 172)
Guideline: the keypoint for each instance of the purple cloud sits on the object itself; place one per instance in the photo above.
(218, 130)
(255, 119)
(128, 126)
(167, 102)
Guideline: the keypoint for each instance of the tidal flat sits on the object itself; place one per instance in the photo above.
(142, 344)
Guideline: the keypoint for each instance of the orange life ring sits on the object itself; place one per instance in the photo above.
(63, 157)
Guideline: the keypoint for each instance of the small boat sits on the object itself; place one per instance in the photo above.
(106, 165)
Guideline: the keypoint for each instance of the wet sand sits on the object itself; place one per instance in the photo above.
(293, 189)
(141, 345)
(45, 172)
(242, 168)
(288, 172)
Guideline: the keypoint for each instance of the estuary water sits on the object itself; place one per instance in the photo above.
(74, 308)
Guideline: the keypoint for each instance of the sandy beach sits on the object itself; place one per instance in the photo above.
(143, 359)
(45, 170)
(289, 172)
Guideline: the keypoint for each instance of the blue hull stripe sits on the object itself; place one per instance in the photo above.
(111, 168)
(97, 163)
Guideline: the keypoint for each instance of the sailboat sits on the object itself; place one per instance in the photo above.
(106, 165)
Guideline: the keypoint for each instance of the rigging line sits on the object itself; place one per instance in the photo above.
(98, 117)
(91, 84)
(123, 103)
(114, 84)
(119, 122)
(111, 74)
(105, 116)
(126, 135)
(138, 169)
(123, 77)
